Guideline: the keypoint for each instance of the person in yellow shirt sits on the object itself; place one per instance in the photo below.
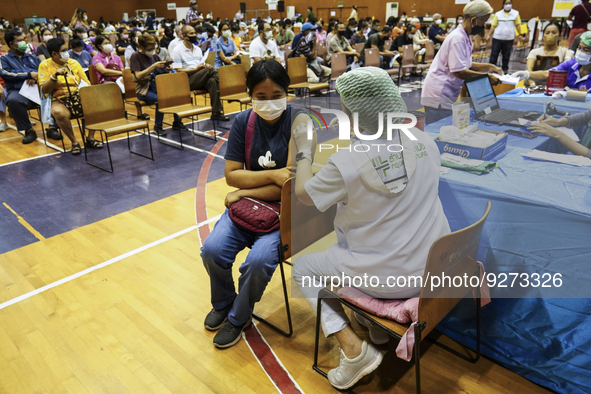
(502, 32)
(52, 79)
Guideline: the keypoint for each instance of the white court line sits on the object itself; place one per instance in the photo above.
(104, 264)
(187, 146)
(10, 138)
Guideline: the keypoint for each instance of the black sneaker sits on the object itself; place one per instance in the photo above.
(159, 130)
(229, 334)
(215, 319)
(30, 136)
(179, 126)
(53, 134)
(220, 117)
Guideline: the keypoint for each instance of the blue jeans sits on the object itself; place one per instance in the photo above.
(152, 98)
(219, 253)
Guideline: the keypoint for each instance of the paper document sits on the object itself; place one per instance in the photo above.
(508, 79)
(558, 158)
(462, 161)
(569, 133)
(31, 92)
(204, 58)
(243, 53)
(82, 84)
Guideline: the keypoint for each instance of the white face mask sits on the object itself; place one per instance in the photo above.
(460, 21)
(411, 35)
(150, 53)
(508, 7)
(582, 58)
(438, 22)
(269, 109)
(269, 35)
(310, 37)
(85, 17)
(47, 38)
(78, 53)
(65, 55)
(85, 36)
(227, 33)
(107, 48)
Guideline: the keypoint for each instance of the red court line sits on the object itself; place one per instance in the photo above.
(270, 363)
(200, 192)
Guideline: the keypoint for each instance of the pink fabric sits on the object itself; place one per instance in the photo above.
(102, 58)
(403, 310)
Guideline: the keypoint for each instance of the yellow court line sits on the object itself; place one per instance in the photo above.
(25, 224)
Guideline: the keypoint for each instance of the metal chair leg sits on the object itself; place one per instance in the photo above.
(417, 351)
(287, 309)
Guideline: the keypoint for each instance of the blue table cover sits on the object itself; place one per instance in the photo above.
(540, 222)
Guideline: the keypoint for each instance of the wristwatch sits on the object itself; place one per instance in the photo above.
(303, 155)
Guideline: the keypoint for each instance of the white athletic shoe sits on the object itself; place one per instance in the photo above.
(3, 127)
(350, 371)
(377, 335)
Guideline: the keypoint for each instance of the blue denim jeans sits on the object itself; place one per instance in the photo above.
(219, 253)
(152, 98)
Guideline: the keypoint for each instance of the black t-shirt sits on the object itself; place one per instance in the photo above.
(265, 138)
(400, 41)
(122, 44)
(42, 50)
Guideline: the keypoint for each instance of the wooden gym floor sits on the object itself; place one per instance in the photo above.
(102, 289)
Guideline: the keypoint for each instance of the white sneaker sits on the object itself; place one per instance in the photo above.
(350, 371)
(377, 335)
(3, 127)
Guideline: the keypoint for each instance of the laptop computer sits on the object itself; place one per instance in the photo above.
(486, 105)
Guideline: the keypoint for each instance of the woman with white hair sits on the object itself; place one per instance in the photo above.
(453, 64)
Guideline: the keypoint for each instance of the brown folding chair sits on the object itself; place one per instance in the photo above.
(454, 255)
(408, 57)
(298, 74)
(210, 58)
(338, 65)
(174, 97)
(310, 225)
(359, 47)
(372, 58)
(130, 95)
(245, 63)
(233, 85)
(429, 53)
(104, 111)
(92, 75)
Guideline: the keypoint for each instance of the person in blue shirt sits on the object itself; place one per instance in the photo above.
(226, 51)
(78, 53)
(18, 68)
(436, 32)
(210, 35)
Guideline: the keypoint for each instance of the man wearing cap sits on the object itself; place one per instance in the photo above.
(388, 213)
(192, 15)
(453, 64)
(306, 48)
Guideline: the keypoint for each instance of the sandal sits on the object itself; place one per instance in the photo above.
(76, 149)
(94, 144)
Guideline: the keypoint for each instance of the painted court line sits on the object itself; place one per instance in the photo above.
(268, 360)
(187, 146)
(25, 224)
(104, 264)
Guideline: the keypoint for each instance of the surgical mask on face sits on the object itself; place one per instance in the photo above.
(354, 29)
(269, 35)
(85, 17)
(310, 37)
(365, 31)
(476, 30)
(65, 55)
(411, 36)
(78, 53)
(508, 7)
(278, 30)
(438, 22)
(107, 48)
(341, 32)
(22, 46)
(269, 109)
(124, 36)
(460, 21)
(150, 53)
(582, 58)
(84, 36)
(227, 33)
(47, 38)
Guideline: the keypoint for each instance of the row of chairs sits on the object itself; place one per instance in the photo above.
(454, 254)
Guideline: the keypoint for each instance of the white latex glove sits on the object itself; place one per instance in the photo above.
(300, 136)
(559, 95)
(521, 75)
(334, 124)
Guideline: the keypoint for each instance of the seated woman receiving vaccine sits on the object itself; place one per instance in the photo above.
(257, 166)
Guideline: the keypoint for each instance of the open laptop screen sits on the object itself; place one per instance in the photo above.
(482, 94)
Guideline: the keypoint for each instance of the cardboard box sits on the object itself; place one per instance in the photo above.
(470, 152)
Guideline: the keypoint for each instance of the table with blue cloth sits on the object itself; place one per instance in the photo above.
(540, 222)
